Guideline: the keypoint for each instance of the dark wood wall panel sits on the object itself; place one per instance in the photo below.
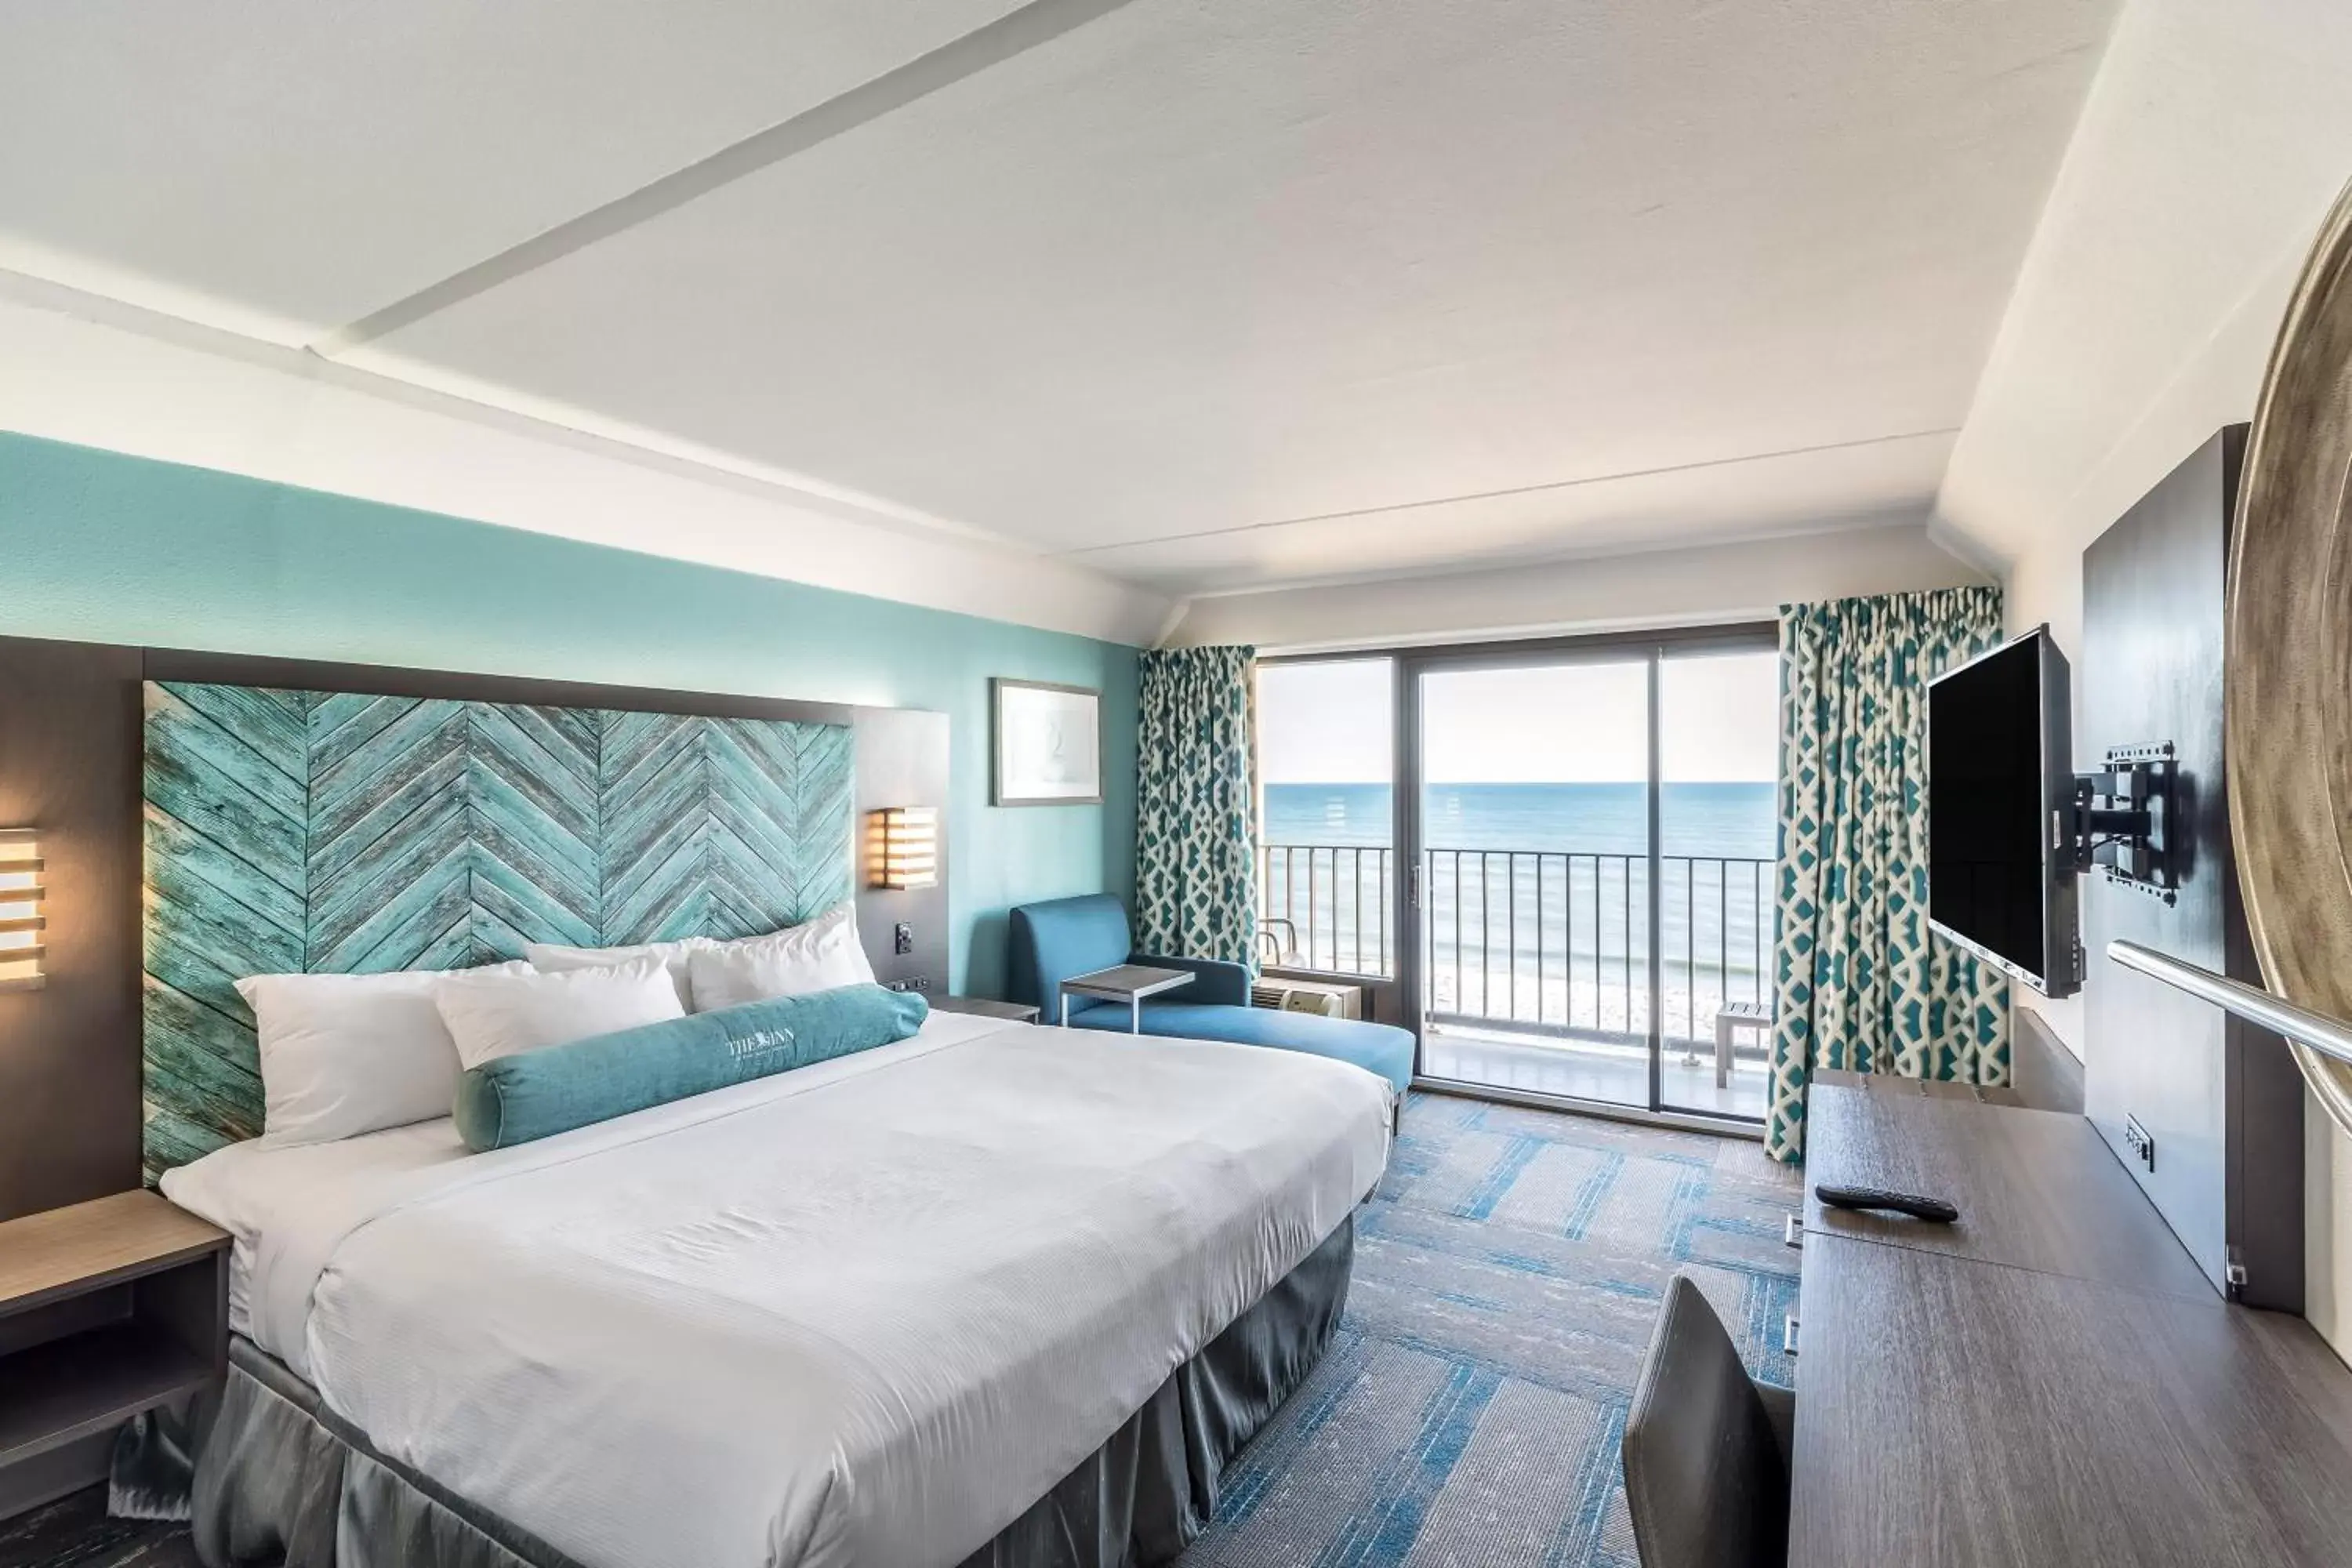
(71, 746)
(2221, 1098)
(69, 1051)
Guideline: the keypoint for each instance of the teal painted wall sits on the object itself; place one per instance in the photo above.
(98, 547)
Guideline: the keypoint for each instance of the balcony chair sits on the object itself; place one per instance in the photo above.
(1706, 1449)
(1064, 938)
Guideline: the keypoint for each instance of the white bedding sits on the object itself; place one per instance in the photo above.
(863, 1313)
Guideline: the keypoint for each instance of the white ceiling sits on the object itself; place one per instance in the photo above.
(293, 165)
(1202, 294)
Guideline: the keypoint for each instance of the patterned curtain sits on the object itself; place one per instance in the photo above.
(1196, 807)
(1862, 985)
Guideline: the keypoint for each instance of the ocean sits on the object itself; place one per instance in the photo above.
(1731, 819)
(1557, 934)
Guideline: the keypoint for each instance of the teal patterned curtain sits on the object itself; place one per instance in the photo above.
(1196, 819)
(1861, 982)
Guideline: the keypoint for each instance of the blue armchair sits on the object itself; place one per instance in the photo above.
(1064, 937)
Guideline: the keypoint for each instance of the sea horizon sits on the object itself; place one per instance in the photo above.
(1732, 820)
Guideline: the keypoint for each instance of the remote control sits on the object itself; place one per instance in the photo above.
(1933, 1209)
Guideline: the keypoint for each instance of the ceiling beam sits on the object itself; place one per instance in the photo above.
(1012, 35)
(1578, 482)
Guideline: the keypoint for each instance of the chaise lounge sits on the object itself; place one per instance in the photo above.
(1064, 937)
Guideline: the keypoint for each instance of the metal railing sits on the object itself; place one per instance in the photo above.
(1537, 941)
(1341, 900)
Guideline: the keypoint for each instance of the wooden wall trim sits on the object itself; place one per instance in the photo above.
(459, 686)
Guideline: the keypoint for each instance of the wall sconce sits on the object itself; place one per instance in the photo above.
(21, 919)
(906, 848)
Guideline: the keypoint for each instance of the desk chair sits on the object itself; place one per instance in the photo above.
(1706, 1448)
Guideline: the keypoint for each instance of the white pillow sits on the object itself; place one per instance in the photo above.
(505, 1014)
(347, 1053)
(549, 959)
(818, 956)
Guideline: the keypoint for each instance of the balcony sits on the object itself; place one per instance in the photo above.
(1536, 964)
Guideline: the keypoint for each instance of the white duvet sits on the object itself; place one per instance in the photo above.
(865, 1312)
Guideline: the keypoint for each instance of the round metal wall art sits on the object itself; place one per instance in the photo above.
(2288, 680)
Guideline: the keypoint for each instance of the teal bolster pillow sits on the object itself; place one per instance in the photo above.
(514, 1099)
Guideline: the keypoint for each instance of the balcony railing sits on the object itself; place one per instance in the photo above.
(1536, 942)
(1337, 901)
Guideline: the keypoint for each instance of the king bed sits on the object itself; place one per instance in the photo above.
(869, 1311)
(989, 1293)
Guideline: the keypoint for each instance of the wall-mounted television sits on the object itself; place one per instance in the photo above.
(2000, 812)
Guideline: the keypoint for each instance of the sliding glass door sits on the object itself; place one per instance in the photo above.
(1534, 886)
(1553, 860)
(1718, 747)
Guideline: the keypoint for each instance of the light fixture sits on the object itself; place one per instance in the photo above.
(22, 894)
(907, 846)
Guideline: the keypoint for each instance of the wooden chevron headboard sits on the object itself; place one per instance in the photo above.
(336, 832)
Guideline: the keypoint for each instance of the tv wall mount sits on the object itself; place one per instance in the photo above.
(2126, 818)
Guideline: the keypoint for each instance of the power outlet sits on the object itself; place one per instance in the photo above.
(911, 983)
(902, 939)
(2142, 1145)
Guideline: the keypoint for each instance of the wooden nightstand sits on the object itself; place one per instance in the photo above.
(982, 1006)
(107, 1308)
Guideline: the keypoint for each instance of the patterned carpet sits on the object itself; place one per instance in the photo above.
(1467, 1416)
(1506, 1275)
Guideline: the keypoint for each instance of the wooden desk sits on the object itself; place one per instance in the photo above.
(2044, 1387)
(2036, 1189)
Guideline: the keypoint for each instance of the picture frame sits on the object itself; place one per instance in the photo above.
(1046, 749)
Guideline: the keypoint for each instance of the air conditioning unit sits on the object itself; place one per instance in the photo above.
(1330, 998)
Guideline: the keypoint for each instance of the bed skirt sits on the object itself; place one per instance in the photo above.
(279, 1479)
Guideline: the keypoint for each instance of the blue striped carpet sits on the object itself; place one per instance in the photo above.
(1506, 1274)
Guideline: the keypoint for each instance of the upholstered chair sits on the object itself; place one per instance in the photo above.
(1706, 1448)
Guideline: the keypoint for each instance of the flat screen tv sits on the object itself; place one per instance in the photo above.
(2001, 870)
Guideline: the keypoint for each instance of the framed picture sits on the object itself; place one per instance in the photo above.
(1049, 744)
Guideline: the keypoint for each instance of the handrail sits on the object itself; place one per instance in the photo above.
(2329, 1036)
(1542, 940)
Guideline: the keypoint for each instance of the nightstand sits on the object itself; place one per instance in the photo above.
(107, 1308)
(982, 1007)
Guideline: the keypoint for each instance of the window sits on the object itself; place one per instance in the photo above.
(1326, 760)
